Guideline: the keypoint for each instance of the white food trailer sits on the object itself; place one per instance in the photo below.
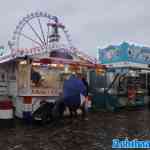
(37, 62)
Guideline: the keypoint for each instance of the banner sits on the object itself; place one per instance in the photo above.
(124, 52)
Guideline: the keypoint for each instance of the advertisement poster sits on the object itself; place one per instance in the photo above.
(139, 54)
(113, 54)
(124, 52)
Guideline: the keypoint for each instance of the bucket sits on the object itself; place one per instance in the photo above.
(6, 113)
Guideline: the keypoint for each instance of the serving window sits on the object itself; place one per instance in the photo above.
(45, 78)
(45, 81)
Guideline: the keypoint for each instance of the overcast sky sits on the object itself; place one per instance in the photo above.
(91, 23)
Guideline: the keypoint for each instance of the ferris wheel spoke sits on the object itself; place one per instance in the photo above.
(35, 33)
(27, 37)
(42, 32)
(47, 42)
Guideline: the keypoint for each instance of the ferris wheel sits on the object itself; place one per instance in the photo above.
(40, 30)
(43, 32)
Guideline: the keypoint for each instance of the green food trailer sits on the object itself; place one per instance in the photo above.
(127, 77)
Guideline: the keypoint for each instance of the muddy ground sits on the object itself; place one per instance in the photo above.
(95, 134)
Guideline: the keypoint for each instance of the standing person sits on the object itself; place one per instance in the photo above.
(73, 88)
(84, 98)
(85, 84)
(35, 77)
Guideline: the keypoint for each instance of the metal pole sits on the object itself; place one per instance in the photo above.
(105, 87)
(146, 83)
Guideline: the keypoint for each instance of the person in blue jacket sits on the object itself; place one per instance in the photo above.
(73, 88)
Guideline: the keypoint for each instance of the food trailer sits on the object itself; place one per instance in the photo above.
(127, 74)
(37, 62)
(29, 79)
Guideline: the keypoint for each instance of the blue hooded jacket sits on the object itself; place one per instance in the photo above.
(72, 90)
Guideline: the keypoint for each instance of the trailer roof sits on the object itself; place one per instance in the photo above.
(36, 57)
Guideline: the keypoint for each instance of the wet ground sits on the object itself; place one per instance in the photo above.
(95, 134)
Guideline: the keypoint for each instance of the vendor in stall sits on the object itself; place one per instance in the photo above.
(83, 78)
(35, 77)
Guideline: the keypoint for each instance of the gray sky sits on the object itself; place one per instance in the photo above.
(91, 23)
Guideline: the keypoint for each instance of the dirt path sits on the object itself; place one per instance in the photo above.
(95, 134)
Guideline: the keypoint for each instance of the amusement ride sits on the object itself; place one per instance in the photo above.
(41, 32)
